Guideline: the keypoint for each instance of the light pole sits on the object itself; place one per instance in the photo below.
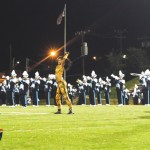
(15, 63)
(84, 48)
(27, 64)
(10, 61)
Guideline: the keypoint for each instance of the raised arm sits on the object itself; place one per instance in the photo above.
(64, 58)
(66, 55)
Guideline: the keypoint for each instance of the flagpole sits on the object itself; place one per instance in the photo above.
(65, 36)
(10, 59)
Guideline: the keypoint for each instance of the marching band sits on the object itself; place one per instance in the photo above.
(16, 91)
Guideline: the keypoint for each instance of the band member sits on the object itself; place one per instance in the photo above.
(7, 86)
(91, 84)
(13, 81)
(120, 83)
(62, 85)
(16, 94)
(85, 89)
(48, 88)
(3, 92)
(71, 92)
(35, 83)
(126, 96)
(142, 79)
(99, 88)
(136, 92)
(81, 92)
(107, 90)
(147, 79)
(24, 88)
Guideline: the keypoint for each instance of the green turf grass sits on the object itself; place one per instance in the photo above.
(100, 127)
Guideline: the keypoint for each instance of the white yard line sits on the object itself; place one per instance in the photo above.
(21, 113)
(54, 129)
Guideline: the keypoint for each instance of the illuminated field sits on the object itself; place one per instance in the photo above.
(99, 127)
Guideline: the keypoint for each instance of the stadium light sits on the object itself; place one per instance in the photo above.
(52, 53)
(94, 58)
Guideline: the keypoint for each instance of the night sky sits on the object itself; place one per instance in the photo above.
(29, 26)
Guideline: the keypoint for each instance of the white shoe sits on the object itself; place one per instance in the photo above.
(147, 104)
(120, 105)
(99, 104)
(3, 104)
(12, 106)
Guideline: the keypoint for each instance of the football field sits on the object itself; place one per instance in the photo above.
(91, 127)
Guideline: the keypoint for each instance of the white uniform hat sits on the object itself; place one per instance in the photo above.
(13, 73)
(37, 74)
(121, 75)
(100, 79)
(49, 76)
(147, 72)
(88, 78)
(84, 78)
(93, 74)
(142, 75)
(79, 81)
(69, 85)
(25, 74)
(107, 79)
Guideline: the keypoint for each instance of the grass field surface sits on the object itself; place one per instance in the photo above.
(90, 128)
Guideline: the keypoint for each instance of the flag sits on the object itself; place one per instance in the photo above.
(59, 19)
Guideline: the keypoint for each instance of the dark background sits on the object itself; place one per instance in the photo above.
(29, 28)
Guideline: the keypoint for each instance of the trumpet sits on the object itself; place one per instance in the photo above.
(135, 74)
(115, 77)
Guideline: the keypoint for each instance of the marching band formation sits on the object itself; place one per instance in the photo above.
(15, 91)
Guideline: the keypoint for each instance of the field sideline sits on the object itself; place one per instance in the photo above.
(100, 127)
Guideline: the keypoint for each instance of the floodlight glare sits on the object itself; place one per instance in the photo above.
(53, 53)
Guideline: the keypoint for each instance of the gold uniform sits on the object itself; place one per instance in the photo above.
(62, 85)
